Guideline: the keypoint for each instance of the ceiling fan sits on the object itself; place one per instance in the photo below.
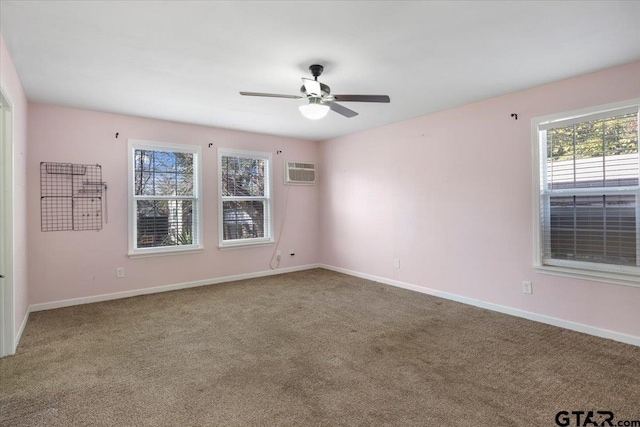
(319, 97)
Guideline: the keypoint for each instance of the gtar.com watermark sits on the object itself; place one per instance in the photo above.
(592, 418)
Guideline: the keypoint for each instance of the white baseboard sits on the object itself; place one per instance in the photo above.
(21, 330)
(145, 291)
(574, 326)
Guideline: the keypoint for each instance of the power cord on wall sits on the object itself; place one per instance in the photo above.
(284, 217)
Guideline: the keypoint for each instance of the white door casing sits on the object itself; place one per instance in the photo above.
(7, 309)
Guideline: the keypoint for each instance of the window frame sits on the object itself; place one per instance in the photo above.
(609, 273)
(197, 246)
(268, 200)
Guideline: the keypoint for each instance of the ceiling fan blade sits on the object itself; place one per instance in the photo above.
(270, 95)
(340, 109)
(362, 98)
(312, 87)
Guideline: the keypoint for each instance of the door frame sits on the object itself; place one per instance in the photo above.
(7, 301)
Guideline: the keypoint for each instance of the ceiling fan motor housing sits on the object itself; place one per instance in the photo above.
(326, 90)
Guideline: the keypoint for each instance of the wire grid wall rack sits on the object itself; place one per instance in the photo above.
(70, 196)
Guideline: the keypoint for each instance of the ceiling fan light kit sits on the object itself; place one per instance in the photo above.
(315, 109)
(319, 97)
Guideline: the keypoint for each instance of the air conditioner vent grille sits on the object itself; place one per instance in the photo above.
(301, 173)
(301, 165)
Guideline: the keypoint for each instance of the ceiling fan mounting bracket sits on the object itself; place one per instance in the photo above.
(316, 70)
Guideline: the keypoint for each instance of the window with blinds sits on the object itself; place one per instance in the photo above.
(245, 197)
(164, 197)
(589, 191)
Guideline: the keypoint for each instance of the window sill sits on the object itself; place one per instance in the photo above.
(596, 276)
(147, 253)
(240, 245)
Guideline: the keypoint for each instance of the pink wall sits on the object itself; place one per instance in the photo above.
(450, 195)
(13, 89)
(73, 264)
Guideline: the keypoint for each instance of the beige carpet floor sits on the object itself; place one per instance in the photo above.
(313, 348)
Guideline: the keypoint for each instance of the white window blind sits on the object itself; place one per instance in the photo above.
(589, 189)
(245, 197)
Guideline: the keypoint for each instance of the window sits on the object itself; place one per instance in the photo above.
(164, 198)
(588, 193)
(245, 197)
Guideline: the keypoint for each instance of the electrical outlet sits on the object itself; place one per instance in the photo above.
(120, 272)
(292, 253)
(278, 254)
(527, 288)
(396, 263)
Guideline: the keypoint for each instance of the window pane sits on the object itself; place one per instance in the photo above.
(621, 134)
(598, 153)
(243, 220)
(242, 177)
(164, 184)
(163, 173)
(621, 150)
(164, 223)
(589, 160)
(164, 161)
(184, 184)
(600, 229)
(142, 160)
(589, 140)
(144, 183)
(560, 154)
(184, 162)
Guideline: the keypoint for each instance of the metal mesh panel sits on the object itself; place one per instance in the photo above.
(70, 196)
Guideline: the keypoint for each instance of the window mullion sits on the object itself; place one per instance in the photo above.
(151, 197)
(638, 195)
(243, 198)
(637, 228)
(546, 228)
(575, 227)
(574, 156)
(609, 191)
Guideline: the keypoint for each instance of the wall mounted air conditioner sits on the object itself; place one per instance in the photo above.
(299, 173)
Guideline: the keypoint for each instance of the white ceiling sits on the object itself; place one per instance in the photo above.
(186, 61)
